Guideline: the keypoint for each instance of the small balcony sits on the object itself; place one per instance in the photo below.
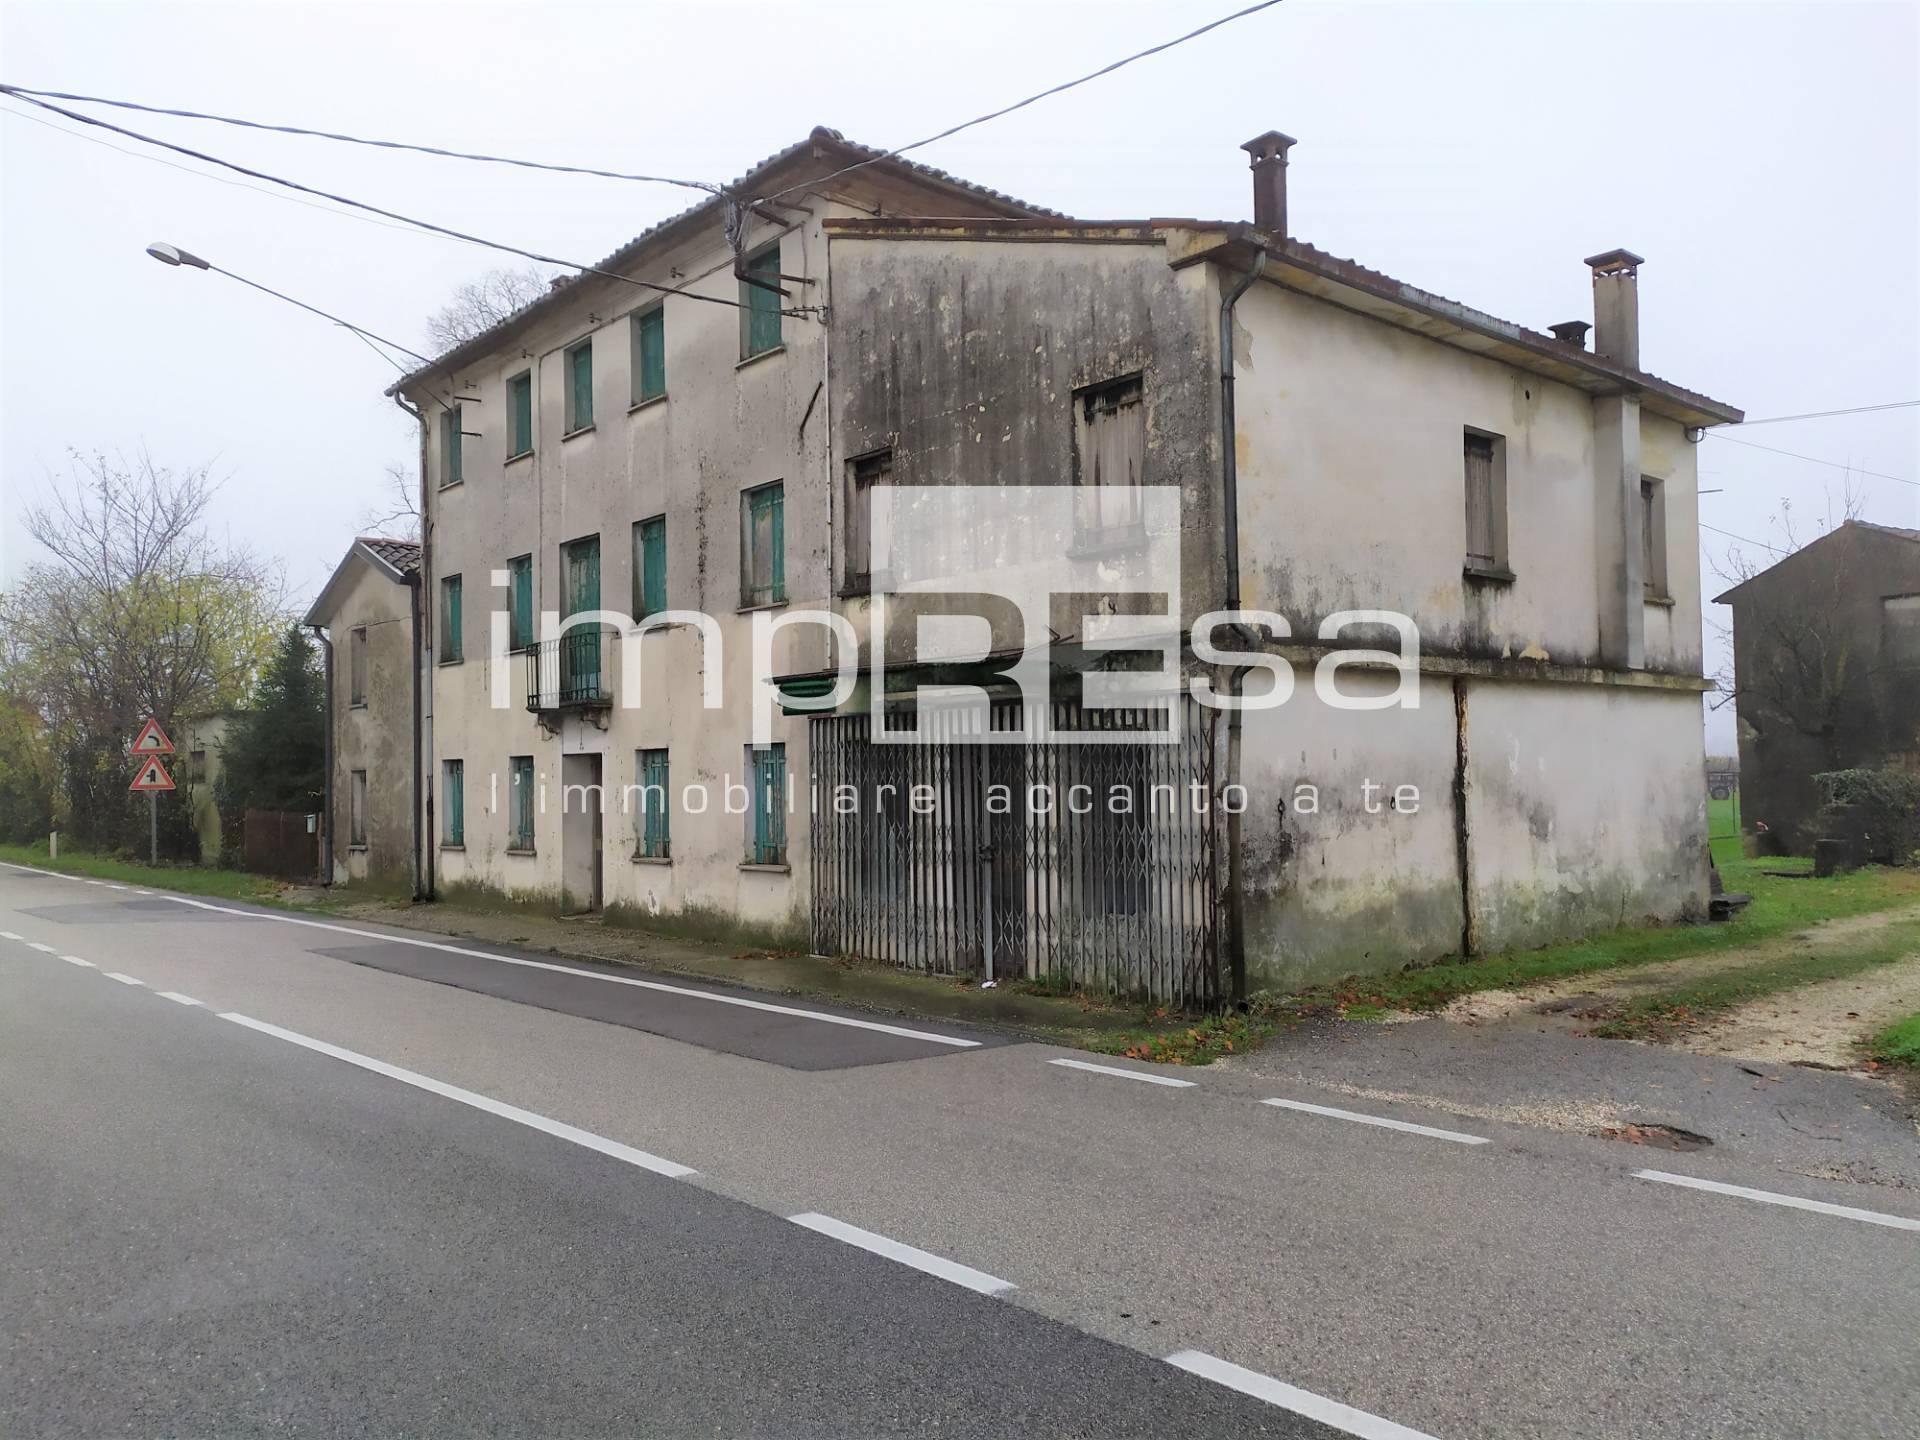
(570, 673)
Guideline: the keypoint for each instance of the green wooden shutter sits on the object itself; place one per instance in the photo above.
(450, 638)
(650, 354)
(453, 800)
(450, 444)
(763, 304)
(520, 602)
(653, 565)
(580, 381)
(520, 802)
(580, 651)
(769, 806)
(655, 838)
(520, 414)
(764, 553)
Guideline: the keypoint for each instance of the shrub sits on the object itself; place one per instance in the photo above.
(1880, 809)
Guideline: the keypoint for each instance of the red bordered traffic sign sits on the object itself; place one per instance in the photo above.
(153, 775)
(152, 740)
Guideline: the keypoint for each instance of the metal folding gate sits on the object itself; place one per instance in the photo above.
(1092, 864)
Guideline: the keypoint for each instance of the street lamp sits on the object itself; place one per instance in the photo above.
(173, 255)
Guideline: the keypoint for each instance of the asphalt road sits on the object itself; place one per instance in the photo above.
(435, 1189)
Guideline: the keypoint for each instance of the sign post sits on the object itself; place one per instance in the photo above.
(152, 778)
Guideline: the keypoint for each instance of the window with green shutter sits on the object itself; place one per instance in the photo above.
(767, 825)
(520, 414)
(450, 646)
(652, 812)
(763, 564)
(450, 446)
(580, 386)
(649, 567)
(760, 302)
(650, 354)
(520, 802)
(453, 802)
(520, 602)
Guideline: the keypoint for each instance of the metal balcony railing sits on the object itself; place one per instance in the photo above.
(570, 672)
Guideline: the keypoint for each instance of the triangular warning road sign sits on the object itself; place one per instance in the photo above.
(153, 775)
(152, 740)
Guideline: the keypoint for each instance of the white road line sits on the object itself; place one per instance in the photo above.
(682, 990)
(1380, 1120)
(1794, 1202)
(1124, 1074)
(76, 960)
(143, 892)
(1292, 1397)
(178, 998)
(558, 1128)
(926, 1260)
(8, 935)
(96, 882)
(116, 887)
(123, 979)
(43, 949)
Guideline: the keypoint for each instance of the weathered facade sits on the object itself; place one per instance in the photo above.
(368, 613)
(1826, 660)
(1528, 502)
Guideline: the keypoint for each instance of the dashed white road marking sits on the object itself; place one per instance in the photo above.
(938, 1265)
(1167, 1080)
(8, 935)
(143, 892)
(1292, 1397)
(1792, 1202)
(123, 979)
(558, 1128)
(116, 887)
(178, 998)
(43, 949)
(96, 882)
(1385, 1124)
(76, 960)
(683, 990)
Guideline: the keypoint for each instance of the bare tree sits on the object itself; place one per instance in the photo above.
(397, 514)
(483, 302)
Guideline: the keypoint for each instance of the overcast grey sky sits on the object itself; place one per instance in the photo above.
(1764, 158)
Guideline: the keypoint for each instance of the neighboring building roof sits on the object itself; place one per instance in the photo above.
(1897, 532)
(397, 560)
(819, 140)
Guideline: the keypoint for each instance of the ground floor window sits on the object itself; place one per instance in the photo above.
(453, 802)
(651, 814)
(520, 803)
(357, 808)
(767, 823)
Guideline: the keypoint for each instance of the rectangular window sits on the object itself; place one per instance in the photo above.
(357, 666)
(520, 602)
(1110, 450)
(863, 474)
(650, 815)
(650, 354)
(649, 567)
(453, 802)
(1653, 537)
(197, 767)
(760, 302)
(520, 802)
(1900, 632)
(1486, 493)
(580, 386)
(451, 647)
(357, 809)
(520, 414)
(763, 543)
(580, 677)
(767, 824)
(450, 446)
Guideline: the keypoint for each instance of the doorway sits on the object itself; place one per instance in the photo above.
(582, 810)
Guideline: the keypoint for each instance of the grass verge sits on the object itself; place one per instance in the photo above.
(187, 879)
(1898, 1044)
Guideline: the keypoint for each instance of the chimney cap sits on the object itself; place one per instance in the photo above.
(1611, 261)
(1265, 147)
(1571, 332)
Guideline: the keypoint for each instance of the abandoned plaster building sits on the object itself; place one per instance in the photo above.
(1336, 439)
(367, 618)
(1826, 664)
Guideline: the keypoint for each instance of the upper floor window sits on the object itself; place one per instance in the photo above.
(760, 301)
(520, 414)
(1486, 492)
(1653, 537)
(763, 543)
(450, 446)
(650, 354)
(357, 665)
(649, 567)
(1110, 450)
(863, 475)
(451, 640)
(579, 369)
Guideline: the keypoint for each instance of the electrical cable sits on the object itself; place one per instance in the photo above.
(1814, 459)
(1824, 414)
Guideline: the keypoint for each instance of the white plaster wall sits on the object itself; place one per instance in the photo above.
(378, 736)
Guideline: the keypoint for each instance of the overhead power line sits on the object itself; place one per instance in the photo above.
(704, 185)
(1741, 538)
(1824, 414)
(426, 225)
(1031, 99)
(1814, 459)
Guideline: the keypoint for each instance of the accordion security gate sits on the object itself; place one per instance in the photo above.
(1093, 864)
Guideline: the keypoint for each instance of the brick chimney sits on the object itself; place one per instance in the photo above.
(1269, 152)
(1616, 306)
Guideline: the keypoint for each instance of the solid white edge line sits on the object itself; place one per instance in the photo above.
(1385, 1124)
(1291, 1397)
(76, 960)
(43, 949)
(1792, 1202)
(937, 1265)
(123, 979)
(739, 1000)
(533, 1121)
(178, 998)
(1167, 1080)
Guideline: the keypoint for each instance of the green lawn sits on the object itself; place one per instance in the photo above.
(1898, 1044)
(187, 879)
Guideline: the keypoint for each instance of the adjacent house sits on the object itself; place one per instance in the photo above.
(196, 771)
(1826, 662)
(368, 620)
(708, 428)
